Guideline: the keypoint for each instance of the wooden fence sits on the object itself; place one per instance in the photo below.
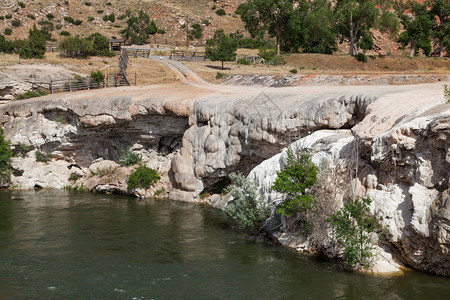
(187, 55)
(72, 85)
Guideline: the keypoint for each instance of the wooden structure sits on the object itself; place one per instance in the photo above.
(116, 44)
(188, 55)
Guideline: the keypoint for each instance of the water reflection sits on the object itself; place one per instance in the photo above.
(82, 246)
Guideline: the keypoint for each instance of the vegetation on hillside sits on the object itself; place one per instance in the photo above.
(5, 159)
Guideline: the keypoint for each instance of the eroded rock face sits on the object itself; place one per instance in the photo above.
(195, 137)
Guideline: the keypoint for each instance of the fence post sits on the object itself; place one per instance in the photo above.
(135, 76)
(70, 87)
(88, 83)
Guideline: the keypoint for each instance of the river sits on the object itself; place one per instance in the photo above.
(67, 245)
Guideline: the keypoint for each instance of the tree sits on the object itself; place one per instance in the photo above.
(313, 28)
(417, 24)
(76, 47)
(354, 19)
(139, 28)
(5, 159)
(221, 47)
(440, 13)
(5, 45)
(196, 32)
(100, 45)
(293, 181)
(271, 16)
(352, 225)
(35, 45)
(247, 207)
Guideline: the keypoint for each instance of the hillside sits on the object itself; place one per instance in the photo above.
(169, 16)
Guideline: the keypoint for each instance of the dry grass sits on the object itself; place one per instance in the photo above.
(316, 64)
(148, 71)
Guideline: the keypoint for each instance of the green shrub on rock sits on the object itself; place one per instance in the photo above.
(299, 175)
(352, 225)
(247, 206)
(130, 158)
(143, 177)
(5, 159)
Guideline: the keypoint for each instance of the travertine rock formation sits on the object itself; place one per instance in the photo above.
(196, 136)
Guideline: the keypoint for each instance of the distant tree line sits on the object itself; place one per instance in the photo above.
(316, 26)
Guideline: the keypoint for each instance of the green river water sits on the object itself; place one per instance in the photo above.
(62, 245)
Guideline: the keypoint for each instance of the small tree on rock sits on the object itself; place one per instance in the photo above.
(221, 47)
(247, 206)
(139, 28)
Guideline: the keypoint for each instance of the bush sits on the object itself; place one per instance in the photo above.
(5, 159)
(90, 19)
(35, 46)
(42, 156)
(74, 176)
(50, 16)
(64, 33)
(219, 75)
(31, 94)
(143, 177)
(2, 17)
(8, 16)
(206, 22)
(76, 47)
(243, 61)
(352, 225)
(267, 53)
(221, 12)
(196, 32)
(161, 31)
(361, 57)
(100, 11)
(21, 4)
(97, 76)
(23, 149)
(108, 4)
(8, 31)
(293, 71)
(88, 3)
(130, 158)
(69, 19)
(31, 16)
(77, 22)
(247, 207)
(16, 23)
(293, 181)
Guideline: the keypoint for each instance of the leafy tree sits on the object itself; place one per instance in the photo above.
(5, 159)
(5, 45)
(247, 207)
(352, 225)
(417, 24)
(271, 16)
(354, 19)
(293, 181)
(440, 13)
(221, 47)
(35, 45)
(139, 28)
(313, 27)
(76, 47)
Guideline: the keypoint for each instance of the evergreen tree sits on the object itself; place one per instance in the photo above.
(139, 28)
(417, 24)
(76, 47)
(5, 45)
(221, 47)
(35, 45)
(5, 158)
(271, 16)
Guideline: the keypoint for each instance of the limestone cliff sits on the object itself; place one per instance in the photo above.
(196, 135)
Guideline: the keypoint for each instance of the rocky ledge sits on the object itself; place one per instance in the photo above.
(196, 136)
